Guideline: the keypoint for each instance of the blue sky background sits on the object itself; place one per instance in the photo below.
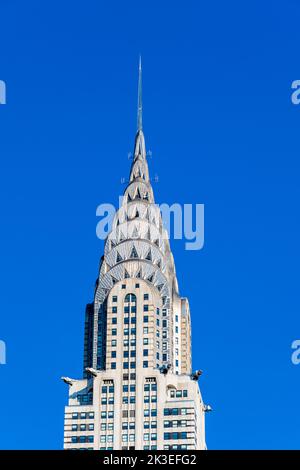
(223, 132)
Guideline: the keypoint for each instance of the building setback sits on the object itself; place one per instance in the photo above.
(138, 390)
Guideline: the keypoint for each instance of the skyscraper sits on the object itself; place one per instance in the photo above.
(138, 390)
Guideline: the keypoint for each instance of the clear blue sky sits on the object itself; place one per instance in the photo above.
(223, 132)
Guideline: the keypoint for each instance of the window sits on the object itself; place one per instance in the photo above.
(146, 437)
(103, 414)
(157, 311)
(113, 365)
(103, 427)
(114, 298)
(146, 341)
(145, 352)
(164, 323)
(154, 387)
(124, 437)
(133, 309)
(146, 319)
(132, 353)
(74, 439)
(114, 320)
(176, 329)
(132, 388)
(123, 286)
(132, 342)
(133, 331)
(125, 388)
(125, 376)
(147, 387)
(153, 437)
(125, 413)
(110, 438)
(102, 439)
(145, 330)
(146, 308)
(103, 401)
(125, 400)
(110, 414)
(83, 427)
(185, 393)
(83, 415)
(132, 376)
(131, 437)
(126, 332)
(114, 331)
(74, 415)
(110, 426)
(153, 424)
(137, 286)
(133, 320)
(146, 412)
(132, 365)
(146, 296)
(114, 354)
(132, 413)
(124, 425)
(74, 427)
(125, 353)
(157, 356)
(90, 438)
(114, 343)
(176, 318)
(153, 412)
(154, 399)
(146, 424)
(114, 310)
(125, 365)
(157, 322)
(165, 357)
(132, 425)
(111, 401)
(145, 364)
(126, 309)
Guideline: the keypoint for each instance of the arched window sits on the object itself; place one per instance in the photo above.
(130, 298)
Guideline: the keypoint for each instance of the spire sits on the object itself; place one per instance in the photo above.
(140, 105)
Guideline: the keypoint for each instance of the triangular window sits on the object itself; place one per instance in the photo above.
(134, 253)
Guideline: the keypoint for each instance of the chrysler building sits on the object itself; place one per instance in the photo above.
(138, 390)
